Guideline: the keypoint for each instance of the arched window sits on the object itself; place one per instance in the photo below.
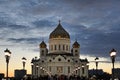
(63, 47)
(76, 54)
(76, 50)
(68, 69)
(55, 47)
(76, 61)
(42, 53)
(51, 47)
(50, 60)
(59, 59)
(66, 47)
(59, 46)
(68, 60)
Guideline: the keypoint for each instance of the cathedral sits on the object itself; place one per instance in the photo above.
(61, 58)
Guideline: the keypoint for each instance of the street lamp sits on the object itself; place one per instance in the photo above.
(96, 62)
(32, 68)
(24, 61)
(112, 55)
(37, 67)
(7, 56)
(83, 70)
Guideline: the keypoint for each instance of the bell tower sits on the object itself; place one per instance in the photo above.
(76, 49)
(43, 49)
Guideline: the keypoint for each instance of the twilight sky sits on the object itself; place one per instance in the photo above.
(25, 23)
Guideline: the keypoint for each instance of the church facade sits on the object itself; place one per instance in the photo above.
(60, 58)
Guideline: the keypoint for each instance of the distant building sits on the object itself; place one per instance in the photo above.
(19, 74)
(60, 58)
(1, 76)
(94, 72)
(117, 72)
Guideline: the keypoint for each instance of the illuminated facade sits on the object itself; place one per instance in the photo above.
(60, 58)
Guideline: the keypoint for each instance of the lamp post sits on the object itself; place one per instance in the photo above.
(96, 62)
(7, 56)
(83, 70)
(112, 55)
(24, 61)
(32, 68)
(37, 69)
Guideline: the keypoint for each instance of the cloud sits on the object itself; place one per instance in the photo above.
(43, 23)
(25, 40)
(95, 24)
(95, 41)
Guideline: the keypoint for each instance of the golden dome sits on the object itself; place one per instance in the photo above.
(59, 32)
(76, 44)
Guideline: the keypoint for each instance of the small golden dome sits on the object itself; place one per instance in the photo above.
(43, 45)
(76, 44)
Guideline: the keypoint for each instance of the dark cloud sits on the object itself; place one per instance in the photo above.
(94, 41)
(43, 23)
(25, 40)
(94, 23)
(18, 27)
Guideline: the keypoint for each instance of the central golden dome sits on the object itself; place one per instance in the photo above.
(59, 32)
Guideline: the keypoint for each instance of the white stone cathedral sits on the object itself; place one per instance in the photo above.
(60, 58)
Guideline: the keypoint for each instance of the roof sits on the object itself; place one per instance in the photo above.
(59, 32)
(84, 60)
(76, 44)
(42, 44)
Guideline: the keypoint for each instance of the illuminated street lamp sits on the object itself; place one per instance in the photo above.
(37, 69)
(83, 70)
(113, 55)
(7, 56)
(24, 61)
(96, 62)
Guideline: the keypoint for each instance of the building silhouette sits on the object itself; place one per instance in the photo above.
(2, 76)
(117, 72)
(60, 58)
(19, 74)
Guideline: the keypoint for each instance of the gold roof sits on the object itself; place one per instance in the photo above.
(76, 44)
(59, 32)
(43, 45)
